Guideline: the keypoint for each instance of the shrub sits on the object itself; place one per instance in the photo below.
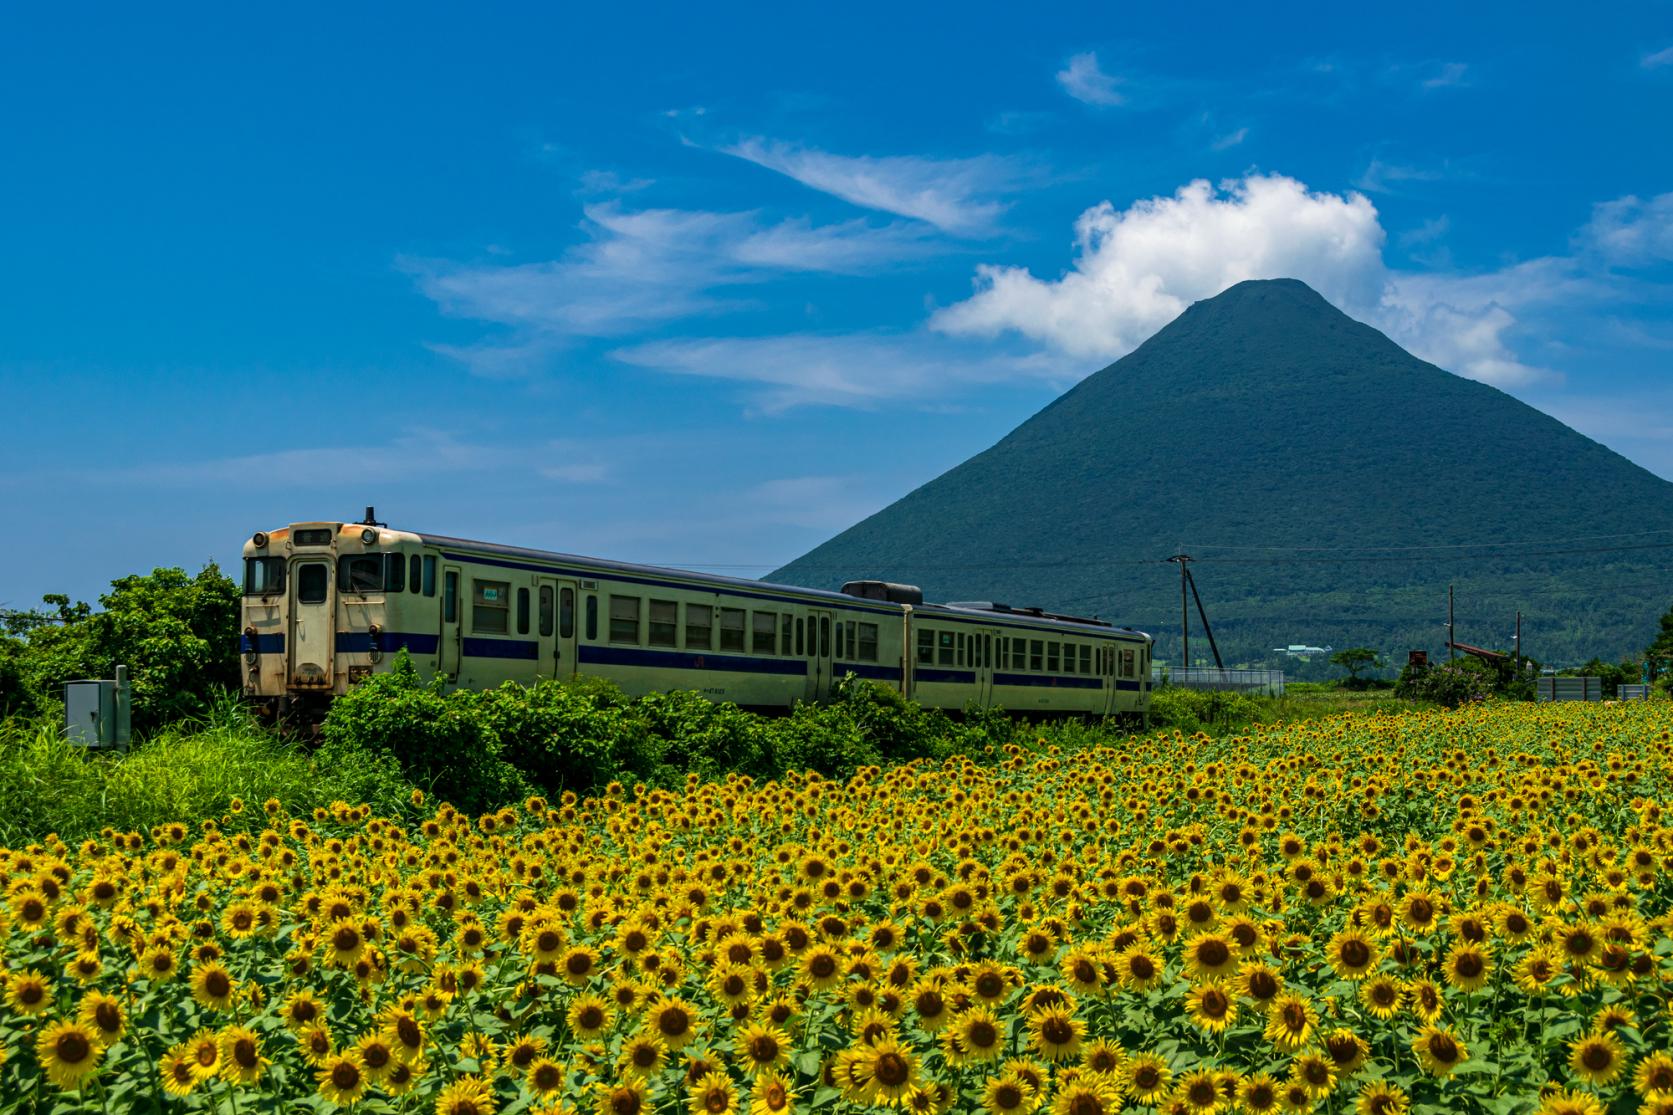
(439, 739)
(567, 736)
(1449, 684)
(706, 738)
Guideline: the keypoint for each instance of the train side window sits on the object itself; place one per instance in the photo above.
(490, 607)
(415, 575)
(1085, 660)
(1068, 658)
(1036, 655)
(801, 643)
(987, 650)
(785, 640)
(450, 597)
(1054, 657)
(1019, 654)
(765, 629)
(547, 609)
(394, 573)
(731, 629)
(522, 611)
(566, 613)
(926, 647)
(592, 619)
(868, 642)
(958, 654)
(945, 648)
(430, 576)
(624, 619)
(853, 642)
(360, 573)
(824, 636)
(1127, 664)
(665, 622)
(699, 627)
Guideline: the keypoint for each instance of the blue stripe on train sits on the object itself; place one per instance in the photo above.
(359, 642)
(1052, 680)
(265, 644)
(686, 660)
(1132, 686)
(865, 670)
(965, 677)
(526, 649)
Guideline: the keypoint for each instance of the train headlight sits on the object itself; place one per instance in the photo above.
(258, 539)
(369, 536)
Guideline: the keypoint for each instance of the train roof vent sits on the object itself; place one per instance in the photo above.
(884, 590)
(1035, 611)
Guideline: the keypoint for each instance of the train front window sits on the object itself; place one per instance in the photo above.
(312, 583)
(263, 575)
(360, 573)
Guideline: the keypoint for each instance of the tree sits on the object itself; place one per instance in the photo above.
(1661, 650)
(1355, 659)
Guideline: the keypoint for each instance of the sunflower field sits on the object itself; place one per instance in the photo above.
(1415, 911)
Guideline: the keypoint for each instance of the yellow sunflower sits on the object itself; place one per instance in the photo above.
(69, 1053)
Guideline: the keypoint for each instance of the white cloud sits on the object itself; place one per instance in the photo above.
(1629, 231)
(1136, 269)
(1085, 82)
(1446, 74)
(1382, 177)
(642, 268)
(856, 370)
(954, 195)
(1230, 139)
(1659, 58)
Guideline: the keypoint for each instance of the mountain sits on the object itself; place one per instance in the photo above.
(1330, 484)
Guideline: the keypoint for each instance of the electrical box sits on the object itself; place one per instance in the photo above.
(98, 713)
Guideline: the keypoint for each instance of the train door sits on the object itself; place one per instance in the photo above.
(981, 651)
(449, 649)
(313, 631)
(818, 655)
(555, 625)
(1106, 676)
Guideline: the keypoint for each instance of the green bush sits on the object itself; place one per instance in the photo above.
(706, 738)
(1449, 684)
(565, 736)
(1196, 710)
(439, 739)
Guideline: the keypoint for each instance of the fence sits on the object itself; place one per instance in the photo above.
(1633, 692)
(1269, 682)
(1568, 689)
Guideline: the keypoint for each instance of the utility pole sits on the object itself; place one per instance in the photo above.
(1451, 653)
(1518, 644)
(1183, 560)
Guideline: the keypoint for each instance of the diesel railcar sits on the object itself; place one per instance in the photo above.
(327, 604)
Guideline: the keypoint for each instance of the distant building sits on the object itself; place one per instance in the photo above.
(1301, 650)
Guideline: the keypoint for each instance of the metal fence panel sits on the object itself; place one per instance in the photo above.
(1568, 689)
(1269, 682)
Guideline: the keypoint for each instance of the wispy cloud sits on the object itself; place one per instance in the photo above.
(1631, 232)
(1230, 139)
(958, 196)
(848, 370)
(1658, 59)
(1445, 75)
(1085, 82)
(642, 268)
(1381, 177)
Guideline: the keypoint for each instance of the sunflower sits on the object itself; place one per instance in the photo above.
(29, 992)
(213, 986)
(1211, 1006)
(403, 1031)
(316, 1044)
(69, 1053)
(1535, 971)
(589, 1016)
(241, 1059)
(1597, 1058)
(1315, 1072)
(1290, 1021)
(105, 1013)
(1055, 1034)
(1379, 1097)
(714, 1094)
(578, 964)
(1082, 968)
(1566, 1102)
(1346, 1050)
(1138, 968)
(1085, 1096)
(735, 984)
(773, 1094)
(1468, 966)
(1209, 956)
(1146, 1076)
(642, 1056)
(1007, 1095)
(545, 1077)
(175, 1067)
(1351, 953)
(820, 968)
(1104, 1056)
(342, 1079)
(1419, 910)
(891, 1072)
(376, 1055)
(1425, 1000)
(673, 1022)
(1257, 1093)
(626, 1097)
(1653, 1078)
(204, 1050)
(1198, 1092)
(468, 1095)
(1438, 1050)
(1381, 995)
(345, 941)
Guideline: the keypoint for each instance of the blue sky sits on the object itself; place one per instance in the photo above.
(663, 285)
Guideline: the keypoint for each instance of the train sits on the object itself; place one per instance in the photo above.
(328, 604)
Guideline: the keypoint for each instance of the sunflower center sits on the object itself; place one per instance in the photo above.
(1443, 1049)
(1085, 1103)
(624, 1101)
(1057, 1031)
(892, 1070)
(763, 1048)
(108, 1017)
(1213, 952)
(990, 985)
(1142, 967)
(72, 1047)
(218, 984)
(674, 1022)
(1597, 1057)
(1356, 953)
